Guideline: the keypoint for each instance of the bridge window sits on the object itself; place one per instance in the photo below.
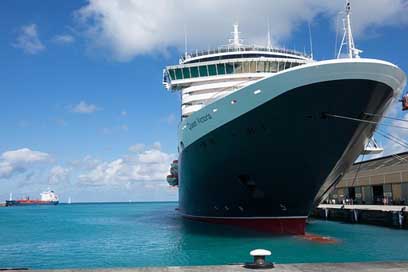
(260, 67)
(172, 75)
(179, 74)
(186, 72)
(229, 68)
(221, 69)
(212, 70)
(245, 67)
(194, 71)
(273, 67)
(203, 71)
(238, 67)
(281, 66)
(252, 67)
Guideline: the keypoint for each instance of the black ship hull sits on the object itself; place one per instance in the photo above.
(264, 168)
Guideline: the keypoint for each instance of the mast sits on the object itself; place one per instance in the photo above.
(235, 42)
(269, 45)
(11, 196)
(352, 51)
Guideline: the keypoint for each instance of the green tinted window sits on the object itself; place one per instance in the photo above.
(221, 69)
(287, 65)
(178, 74)
(172, 75)
(203, 70)
(194, 71)
(211, 70)
(229, 68)
(186, 72)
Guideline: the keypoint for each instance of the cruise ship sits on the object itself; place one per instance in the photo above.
(265, 133)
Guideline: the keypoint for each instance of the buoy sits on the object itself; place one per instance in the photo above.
(259, 259)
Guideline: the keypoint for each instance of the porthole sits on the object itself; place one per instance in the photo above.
(257, 91)
(233, 101)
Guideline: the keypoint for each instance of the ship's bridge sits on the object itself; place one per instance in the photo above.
(205, 76)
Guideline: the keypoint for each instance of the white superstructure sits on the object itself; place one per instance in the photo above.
(206, 76)
(49, 196)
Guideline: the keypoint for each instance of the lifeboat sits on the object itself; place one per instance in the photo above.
(404, 102)
(172, 179)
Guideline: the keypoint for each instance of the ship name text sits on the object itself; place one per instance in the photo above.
(199, 120)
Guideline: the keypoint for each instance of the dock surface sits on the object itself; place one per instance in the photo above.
(310, 267)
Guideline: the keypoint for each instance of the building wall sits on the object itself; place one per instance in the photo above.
(388, 174)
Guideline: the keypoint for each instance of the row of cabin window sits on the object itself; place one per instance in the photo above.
(230, 68)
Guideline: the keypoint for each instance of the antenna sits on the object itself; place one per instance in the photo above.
(269, 36)
(348, 40)
(185, 41)
(310, 40)
(235, 41)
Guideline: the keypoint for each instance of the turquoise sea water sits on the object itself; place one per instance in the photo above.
(152, 234)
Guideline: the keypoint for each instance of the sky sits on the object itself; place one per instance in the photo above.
(82, 107)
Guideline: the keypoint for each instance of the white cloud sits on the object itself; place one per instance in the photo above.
(136, 148)
(148, 165)
(87, 163)
(58, 174)
(83, 107)
(28, 40)
(156, 146)
(132, 27)
(17, 161)
(63, 39)
(24, 155)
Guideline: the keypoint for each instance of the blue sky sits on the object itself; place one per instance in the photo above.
(82, 106)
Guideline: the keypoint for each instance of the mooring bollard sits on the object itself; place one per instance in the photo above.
(259, 259)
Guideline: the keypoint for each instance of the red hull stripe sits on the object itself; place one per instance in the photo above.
(32, 201)
(294, 225)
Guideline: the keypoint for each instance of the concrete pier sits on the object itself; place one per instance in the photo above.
(315, 267)
(383, 215)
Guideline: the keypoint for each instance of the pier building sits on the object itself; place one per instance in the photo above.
(381, 181)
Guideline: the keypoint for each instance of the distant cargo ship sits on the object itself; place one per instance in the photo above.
(47, 198)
